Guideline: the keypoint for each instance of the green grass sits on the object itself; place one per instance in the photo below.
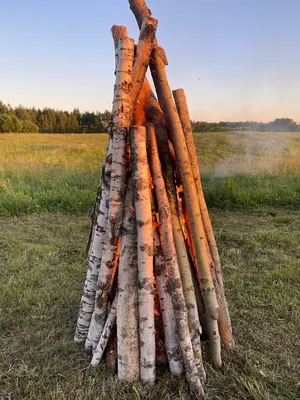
(60, 173)
(41, 276)
(49, 173)
(47, 189)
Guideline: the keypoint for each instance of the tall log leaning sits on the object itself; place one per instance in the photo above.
(191, 199)
(182, 256)
(94, 255)
(224, 317)
(121, 121)
(128, 315)
(142, 58)
(142, 202)
(170, 255)
(165, 98)
(97, 203)
(98, 230)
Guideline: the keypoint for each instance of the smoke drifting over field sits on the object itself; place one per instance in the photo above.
(259, 152)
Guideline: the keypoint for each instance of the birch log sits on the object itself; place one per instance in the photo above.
(165, 207)
(95, 253)
(224, 317)
(175, 288)
(167, 310)
(191, 200)
(105, 335)
(143, 53)
(121, 121)
(97, 234)
(156, 116)
(141, 195)
(140, 11)
(179, 241)
(127, 327)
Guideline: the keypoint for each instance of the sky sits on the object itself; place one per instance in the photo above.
(236, 59)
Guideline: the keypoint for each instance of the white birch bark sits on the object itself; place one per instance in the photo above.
(108, 327)
(175, 282)
(98, 229)
(121, 120)
(128, 323)
(141, 195)
(104, 180)
(167, 310)
(94, 254)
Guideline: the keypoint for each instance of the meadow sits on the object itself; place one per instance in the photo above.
(47, 189)
(48, 173)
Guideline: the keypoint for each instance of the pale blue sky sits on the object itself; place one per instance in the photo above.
(236, 59)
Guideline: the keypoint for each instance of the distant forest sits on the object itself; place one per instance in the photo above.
(48, 120)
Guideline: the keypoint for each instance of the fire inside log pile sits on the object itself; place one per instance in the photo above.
(154, 287)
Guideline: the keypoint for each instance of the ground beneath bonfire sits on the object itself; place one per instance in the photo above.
(41, 276)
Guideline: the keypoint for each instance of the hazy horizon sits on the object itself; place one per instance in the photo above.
(238, 62)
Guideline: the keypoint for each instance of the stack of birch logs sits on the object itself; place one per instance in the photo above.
(154, 283)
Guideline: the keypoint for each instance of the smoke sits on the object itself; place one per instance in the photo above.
(255, 152)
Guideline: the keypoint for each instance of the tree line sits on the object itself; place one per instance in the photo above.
(49, 120)
(278, 125)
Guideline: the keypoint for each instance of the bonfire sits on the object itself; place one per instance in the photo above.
(154, 286)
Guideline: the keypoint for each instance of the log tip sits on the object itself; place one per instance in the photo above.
(94, 362)
(179, 93)
(78, 340)
(119, 32)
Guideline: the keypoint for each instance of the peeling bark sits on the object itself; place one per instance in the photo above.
(141, 195)
(128, 325)
(166, 306)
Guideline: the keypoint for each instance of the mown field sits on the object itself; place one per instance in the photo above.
(47, 189)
